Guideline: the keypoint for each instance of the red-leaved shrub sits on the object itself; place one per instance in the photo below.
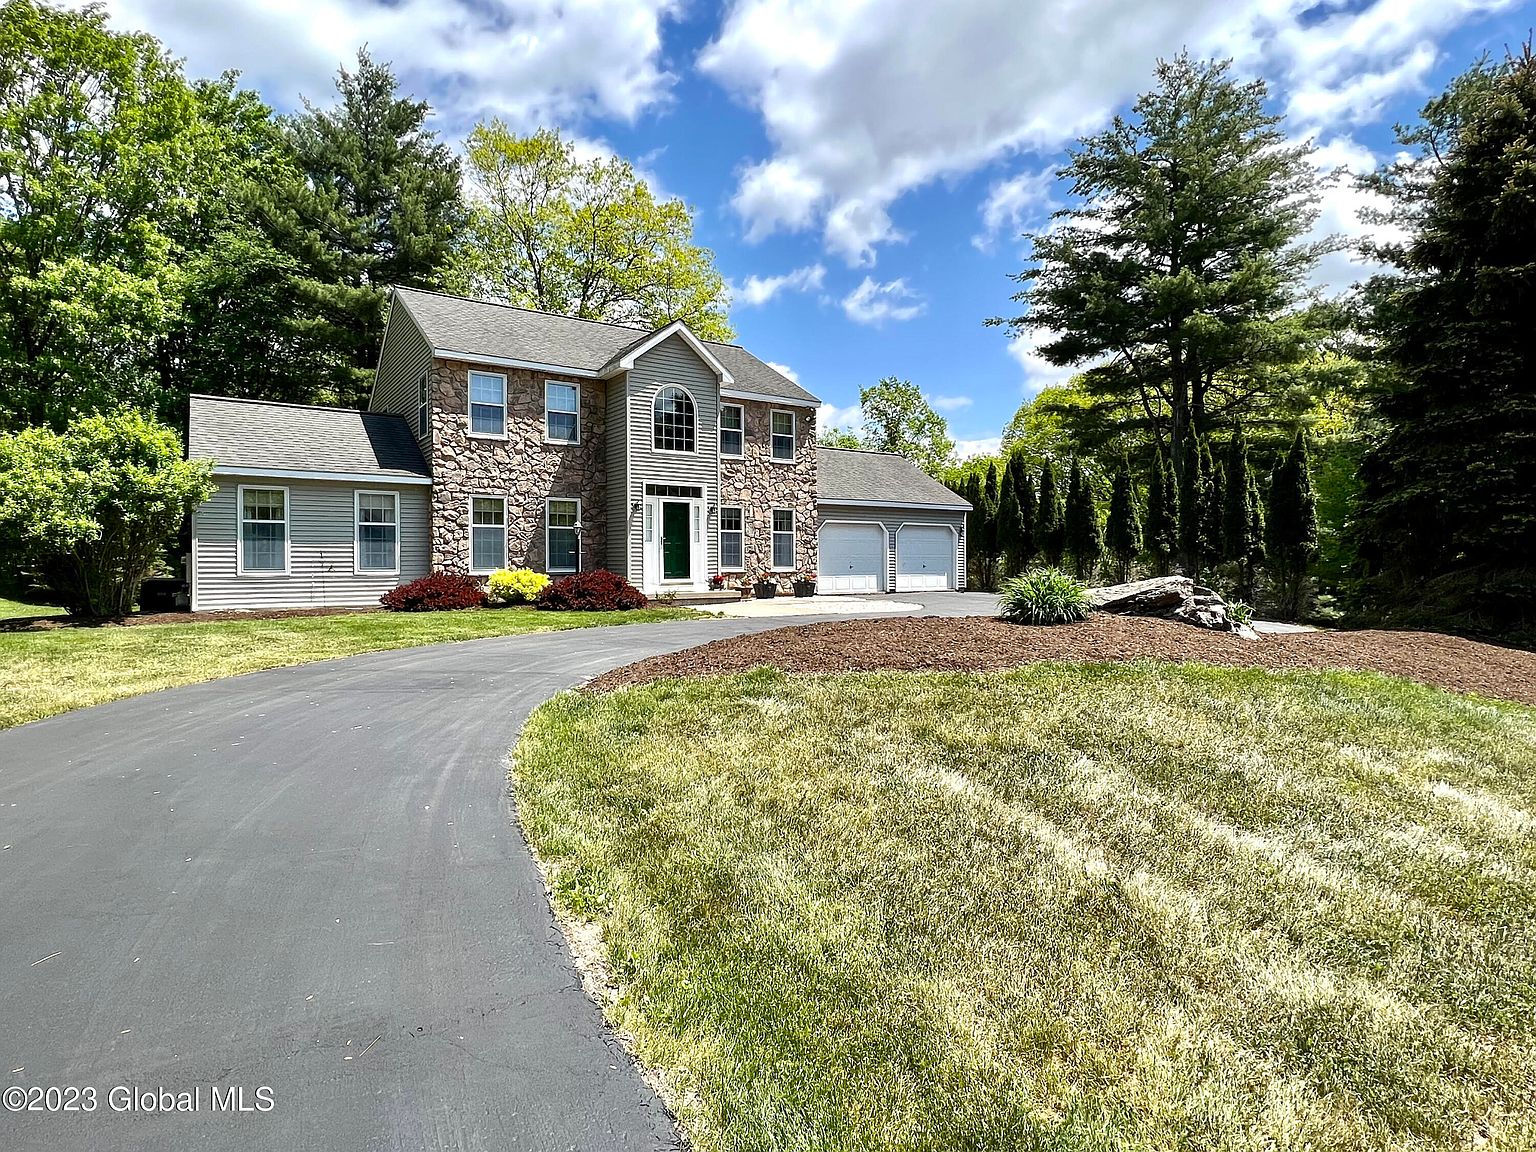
(595, 591)
(439, 592)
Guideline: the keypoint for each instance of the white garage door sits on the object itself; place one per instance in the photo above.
(851, 558)
(925, 558)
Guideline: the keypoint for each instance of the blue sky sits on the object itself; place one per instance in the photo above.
(862, 168)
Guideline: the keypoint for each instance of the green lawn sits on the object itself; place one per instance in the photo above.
(1069, 907)
(13, 609)
(43, 673)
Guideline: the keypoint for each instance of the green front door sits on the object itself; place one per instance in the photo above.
(676, 548)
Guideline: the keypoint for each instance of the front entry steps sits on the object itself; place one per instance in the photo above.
(686, 597)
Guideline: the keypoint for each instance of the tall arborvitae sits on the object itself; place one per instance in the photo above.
(1084, 543)
(975, 530)
(1242, 536)
(988, 508)
(1162, 529)
(1191, 509)
(1290, 528)
(1122, 531)
(1029, 512)
(1009, 532)
(1048, 526)
(1212, 485)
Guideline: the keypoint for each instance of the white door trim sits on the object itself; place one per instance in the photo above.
(915, 582)
(826, 583)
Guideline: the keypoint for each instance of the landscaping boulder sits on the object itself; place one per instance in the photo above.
(1171, 597)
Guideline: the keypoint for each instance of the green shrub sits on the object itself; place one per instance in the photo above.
(1240, 612)
(1044, 596)
(514, 586)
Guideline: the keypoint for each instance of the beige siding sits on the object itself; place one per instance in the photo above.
(893, 519)
(404, 357)
(673, 362)
(618, 497)
(321, 529)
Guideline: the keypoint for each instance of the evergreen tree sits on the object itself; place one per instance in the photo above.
(1241, 520)
(1016, 480)
(975, 531)
(374, 202)
(1448, 507)
(1048, 517)
(987, 533)
(1084, 543)
(1009, 532)
(1212, 484)
(1162, 529)
(1291, 527)
(1191, 510)
(1122, 531)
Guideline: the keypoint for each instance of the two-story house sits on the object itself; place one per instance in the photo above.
(503, 437)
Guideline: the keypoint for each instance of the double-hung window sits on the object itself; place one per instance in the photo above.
(487, 533)
(562, 531)
(783, 539)
(562, 412)
(378, 532)
(423, 412)
(731, 555)
(783, 431)
(487, 404)
(263, 530)
(730, 430)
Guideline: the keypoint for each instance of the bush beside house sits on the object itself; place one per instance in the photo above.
(595, 591)
(439, 592)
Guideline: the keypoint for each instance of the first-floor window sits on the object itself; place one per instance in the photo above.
(562, 536)
(783, 538)
(487, 533)
(263, 529)
(730, 539)
(378, 532)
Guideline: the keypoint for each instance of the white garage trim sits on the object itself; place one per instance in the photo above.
(827, 583)
(929, 582)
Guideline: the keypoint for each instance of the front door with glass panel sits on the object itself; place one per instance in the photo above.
(676, 541)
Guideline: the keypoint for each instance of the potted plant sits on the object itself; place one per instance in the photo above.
(766, 586)
(717, 582)
(804, 583)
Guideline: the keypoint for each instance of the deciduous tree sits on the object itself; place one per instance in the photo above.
(898, 419)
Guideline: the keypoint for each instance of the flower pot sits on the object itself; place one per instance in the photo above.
(765, 589)
(804, 587)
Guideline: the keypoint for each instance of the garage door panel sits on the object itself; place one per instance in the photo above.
(851, 558)
(925, 558)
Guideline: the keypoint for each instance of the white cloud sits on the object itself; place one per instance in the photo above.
(948, 403)
(531, 62)
(865, 100)
(986, 446)
(784, 370)
(1015, 203)
(875, 303)
(831, 416)
(1339, 215)
(755, 291)
(1039, 373)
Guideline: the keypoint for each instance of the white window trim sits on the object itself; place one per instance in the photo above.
(470, 508)
(424, 407)
(793, 532)
(694, 451)
(794, 434)
(720, 431)
(240, 568)
(741, 514)
(548, 439)
(357, 532)
(548, 527)
(469, 405)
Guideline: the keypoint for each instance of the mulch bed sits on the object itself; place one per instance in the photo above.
(980, 644)
(49, 623)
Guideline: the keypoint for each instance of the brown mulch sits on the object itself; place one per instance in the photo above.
(981, 644)
(49, 623)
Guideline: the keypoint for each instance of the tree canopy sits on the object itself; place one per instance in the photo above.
(898, 419)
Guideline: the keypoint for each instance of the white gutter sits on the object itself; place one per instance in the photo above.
(301, 474)
(911, 506)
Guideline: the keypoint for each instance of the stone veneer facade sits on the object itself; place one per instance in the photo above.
(759, 484)
(523, 468)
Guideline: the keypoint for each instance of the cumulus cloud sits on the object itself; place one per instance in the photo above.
(875, 303)
(831, 416)
(756, 291)
(784, 370)
(1015, 203)
(985, 446)
(864, 101)
(948, 403)
(531, 62)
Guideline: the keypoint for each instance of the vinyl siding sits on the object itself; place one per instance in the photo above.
(893, 519)
(673, 362)
(403, 357)
(618, 497)
(320, 548)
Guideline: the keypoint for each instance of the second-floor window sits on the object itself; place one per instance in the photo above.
(730, 430)
(562, 407)
(672, 421)
(487, 404)
(783, 435)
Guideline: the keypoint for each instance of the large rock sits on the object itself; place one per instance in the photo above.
(1171, 597)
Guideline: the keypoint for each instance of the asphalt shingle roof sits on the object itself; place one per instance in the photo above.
(483, 328)
(301, 438)
(854, 476)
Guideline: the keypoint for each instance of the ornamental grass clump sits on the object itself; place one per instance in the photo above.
(514, 586)
(1044, 596)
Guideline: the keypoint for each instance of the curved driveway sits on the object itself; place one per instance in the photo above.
(309, 879)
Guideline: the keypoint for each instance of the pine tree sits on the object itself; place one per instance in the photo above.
(1122, 531)
(1239, 508)
(1162, 529)
(1291, 527)
(1084, 543)
(1048, 517)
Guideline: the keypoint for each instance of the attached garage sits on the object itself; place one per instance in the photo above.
(884, 525)
(850, 557)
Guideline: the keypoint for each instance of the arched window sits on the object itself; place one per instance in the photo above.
(672, 421)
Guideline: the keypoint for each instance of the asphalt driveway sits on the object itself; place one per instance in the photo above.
(308, 880)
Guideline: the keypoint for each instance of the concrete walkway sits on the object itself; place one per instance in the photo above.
(793, 606)
(310, 880)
